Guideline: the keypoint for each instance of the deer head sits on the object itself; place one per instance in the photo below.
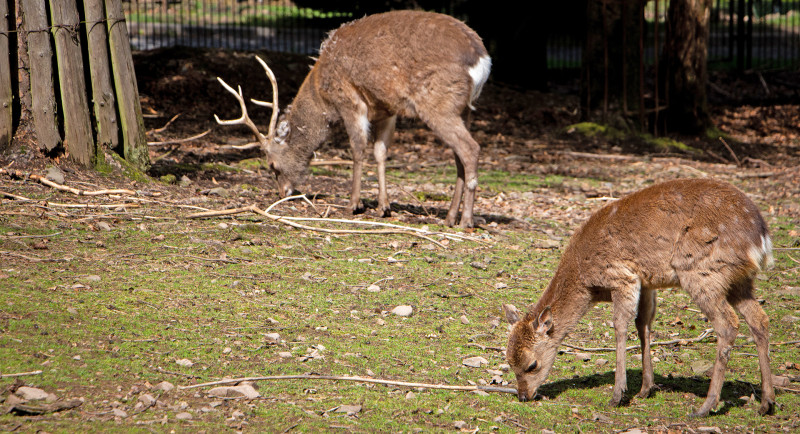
(531, 349)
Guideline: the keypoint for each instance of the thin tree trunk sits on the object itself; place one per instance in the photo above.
(6, 96)
(77, 126)
(102, 90)
(133, 133)
(40, 56)
(686, 53)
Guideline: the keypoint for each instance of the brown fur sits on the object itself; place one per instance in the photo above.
(700, 234)
(401, 63)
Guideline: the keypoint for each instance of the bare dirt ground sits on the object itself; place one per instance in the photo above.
(521, 132)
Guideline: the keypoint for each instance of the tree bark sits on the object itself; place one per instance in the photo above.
(133, 133)
(102, 90)
(40, 56)
(6, 95)
(77, 126)
(610, 85)
(685, 55)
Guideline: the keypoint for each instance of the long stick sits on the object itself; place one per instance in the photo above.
(21, 374)
(700, 337)
(359, 379)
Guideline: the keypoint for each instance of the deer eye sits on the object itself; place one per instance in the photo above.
(532, 367)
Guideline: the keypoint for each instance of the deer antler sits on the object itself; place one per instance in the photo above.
(245, 118)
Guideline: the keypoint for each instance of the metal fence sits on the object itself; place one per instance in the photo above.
(744, 34)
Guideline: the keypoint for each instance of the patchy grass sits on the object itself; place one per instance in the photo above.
(133, 292)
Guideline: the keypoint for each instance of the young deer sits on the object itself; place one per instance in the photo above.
(702, 235)
(406, 63)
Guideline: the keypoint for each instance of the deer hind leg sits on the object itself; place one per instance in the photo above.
(357, 126)
(626, 302)
(383, 138)
(758, 322)
(644, 323)
(711, 299)
(452, 131)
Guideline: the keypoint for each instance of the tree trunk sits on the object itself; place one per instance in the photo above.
(77, 126)
(130, 111)
(40, 56)
(685, 55)
(610, 84)
(102, 90)
(6, 95)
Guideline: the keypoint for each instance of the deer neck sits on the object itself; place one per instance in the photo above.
(309, 119)
(568, 301)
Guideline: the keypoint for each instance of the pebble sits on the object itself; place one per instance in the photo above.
(475, 362)
(244, 390)
(186, 363)
(55, 174)
(185, 415)
(273, 338)
(285, 355)
(403, 311)
(147, 400)
(31, 393)
(119, 413)
(164, 386)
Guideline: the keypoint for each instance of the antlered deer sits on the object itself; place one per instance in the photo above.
(703, 235)
(369, 71)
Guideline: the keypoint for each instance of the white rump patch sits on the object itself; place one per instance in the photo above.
(761, 256)
(479, 73)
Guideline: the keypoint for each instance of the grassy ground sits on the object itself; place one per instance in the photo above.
(105, 302)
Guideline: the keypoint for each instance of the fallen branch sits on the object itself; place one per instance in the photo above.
(46, 203)
(331, 163)
(27, 409)
(735, 158)
(21, 374)
(292, 221)
(700, 337)
(49, 183)
(159, 130)
(179, 141)
(358, 379)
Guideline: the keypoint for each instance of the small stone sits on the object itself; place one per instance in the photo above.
(709, 429)
(164, 386)
(370, 373)
(480, 392)
(92, 278)
(583, 357)
(350, 410)
(460, 424)
(76, 358)
(500, 285)
(226, 350)
(285, 355)
(701, 367)
(237, 414)
(31, 393)
(103, 226)
(186, 363)
(273, 338)
(505, 367)
(55, 174)
(147, 400)
(780, 380)
(403, 311)
(478, 265)
(119, 413)
(244, 390)
(411, 395)
(464, 319)
(185, 180)
(601, 362)
(600, 417)
(184, 415)
(380, 321)
(475, 362)
(218, 191)
(373, 288)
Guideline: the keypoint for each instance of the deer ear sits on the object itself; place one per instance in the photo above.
(513, 315)
(545, 321)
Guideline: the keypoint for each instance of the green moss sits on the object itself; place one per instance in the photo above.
(252, 164)
(591, 129)
(168, 179)
(667, 144)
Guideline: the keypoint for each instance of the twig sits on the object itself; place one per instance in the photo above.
(613, 157)
(484, 347)
(49, 183)
(179, 141)
(358, 379)
(331, 163)
(738, 163)
(700, 337)
(44, 409)
(21, 374)
(787, 389)
(28, 258)
(34, 236)
(159, 130)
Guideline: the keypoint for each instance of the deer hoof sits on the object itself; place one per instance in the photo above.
(767, 407)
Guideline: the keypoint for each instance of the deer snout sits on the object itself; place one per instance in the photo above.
(522, 396)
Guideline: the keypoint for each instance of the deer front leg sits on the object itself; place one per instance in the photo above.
(626, 301)
(357, 126)
(644, 323)
(383, 137)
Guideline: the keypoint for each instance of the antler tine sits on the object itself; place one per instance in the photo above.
(245, 118)
(273, 120)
